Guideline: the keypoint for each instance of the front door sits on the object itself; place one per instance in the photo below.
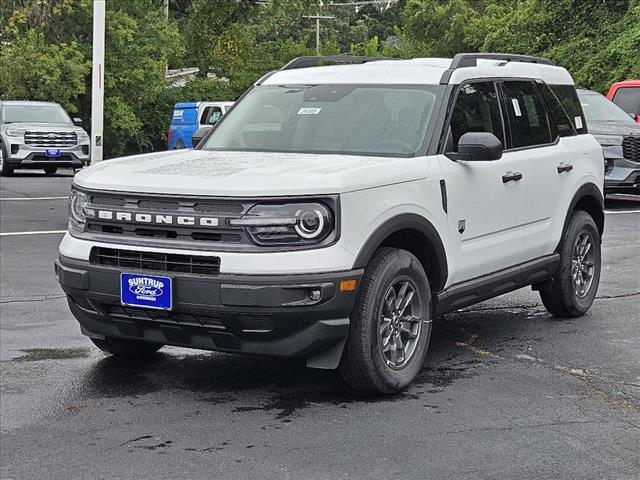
(486, 200)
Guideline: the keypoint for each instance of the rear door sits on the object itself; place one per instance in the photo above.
(485, 210)
(542, 144)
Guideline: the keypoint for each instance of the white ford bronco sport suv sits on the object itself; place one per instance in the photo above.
(337, 209)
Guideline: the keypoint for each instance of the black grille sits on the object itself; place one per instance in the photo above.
(43, 158)
(163, 262)
(631, 148)
(191, 317)
(193, 236)
(50, 139)
(184, 317)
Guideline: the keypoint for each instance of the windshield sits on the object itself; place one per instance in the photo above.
(597, 108)
(365, 120)
(34, 114)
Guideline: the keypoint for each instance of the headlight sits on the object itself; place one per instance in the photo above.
(609, 140)
(287, 224)
(82, 134)
(77, 210)
(15, 132)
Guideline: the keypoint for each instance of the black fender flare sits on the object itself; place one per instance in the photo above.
(408, 221)
(588, 190)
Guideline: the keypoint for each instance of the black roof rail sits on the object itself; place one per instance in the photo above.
(461, 60)
(470, 59)
(306, 62)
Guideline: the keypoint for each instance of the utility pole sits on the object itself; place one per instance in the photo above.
(317, 18)
(97, 82)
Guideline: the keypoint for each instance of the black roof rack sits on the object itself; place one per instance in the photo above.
(462, 60)
(306, 62)
(470, 59)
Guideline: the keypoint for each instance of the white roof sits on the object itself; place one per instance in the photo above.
(417, 71)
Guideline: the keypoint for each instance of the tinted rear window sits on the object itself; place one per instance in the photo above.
(560, 118)
(571, 103)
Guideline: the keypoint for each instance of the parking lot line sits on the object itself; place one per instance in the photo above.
(18, 199)
(44, 232)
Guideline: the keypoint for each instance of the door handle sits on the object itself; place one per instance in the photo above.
(564, 167)
(511, 176)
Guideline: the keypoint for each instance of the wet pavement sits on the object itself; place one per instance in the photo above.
(506, 391)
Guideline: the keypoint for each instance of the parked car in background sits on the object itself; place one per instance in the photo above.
(40, 135)
(619, 136)
(188, 117)
(627, 96)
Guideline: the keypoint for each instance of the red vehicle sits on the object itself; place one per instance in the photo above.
(627, 96)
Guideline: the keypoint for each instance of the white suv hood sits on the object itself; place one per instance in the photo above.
(199, 172)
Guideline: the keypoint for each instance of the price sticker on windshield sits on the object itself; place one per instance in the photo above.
(309, 111)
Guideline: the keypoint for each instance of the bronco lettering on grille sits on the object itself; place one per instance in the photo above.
(157, 219)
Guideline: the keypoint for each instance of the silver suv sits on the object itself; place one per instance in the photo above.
(40, 135)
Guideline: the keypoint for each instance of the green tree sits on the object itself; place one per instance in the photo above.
(60, 74)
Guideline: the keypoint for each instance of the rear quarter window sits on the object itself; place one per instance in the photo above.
(569, 99)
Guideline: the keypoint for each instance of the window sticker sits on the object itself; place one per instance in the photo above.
(309, 111)
(578, 121)
(516, 107)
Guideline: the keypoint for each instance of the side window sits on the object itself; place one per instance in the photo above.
(205, 115)
(216, 114)
(528, 120)
(628, 99)
(560, 122)
(477, 109)
(569, 99)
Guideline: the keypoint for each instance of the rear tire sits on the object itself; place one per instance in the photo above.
(127, 349)
(574, 287)
(394, 300)
(50, 170)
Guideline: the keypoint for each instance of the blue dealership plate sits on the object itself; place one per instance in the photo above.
(52, 152)
(148, 291)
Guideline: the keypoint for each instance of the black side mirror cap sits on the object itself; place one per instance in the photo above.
(77, 121)
(479, 147)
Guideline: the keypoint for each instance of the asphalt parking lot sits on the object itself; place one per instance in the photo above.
(506, 392)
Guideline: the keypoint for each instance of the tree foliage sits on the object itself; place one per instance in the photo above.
(45, 46)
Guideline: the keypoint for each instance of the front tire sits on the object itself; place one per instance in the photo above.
(574, 287)
(6, 170)
(127, 349)
(390, 326)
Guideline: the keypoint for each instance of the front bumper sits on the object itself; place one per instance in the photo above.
(622, 176)
(266, 315)
(34, 157)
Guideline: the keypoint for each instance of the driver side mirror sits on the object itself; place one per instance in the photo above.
(77, 121)
(479, 147)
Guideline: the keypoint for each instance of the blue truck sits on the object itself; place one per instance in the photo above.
(188, 117)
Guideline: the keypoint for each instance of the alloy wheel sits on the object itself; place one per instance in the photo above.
(583, 264)
(400, 323)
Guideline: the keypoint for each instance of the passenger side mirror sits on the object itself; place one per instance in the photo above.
(479, 147)
(77, 121)
(199, 136)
